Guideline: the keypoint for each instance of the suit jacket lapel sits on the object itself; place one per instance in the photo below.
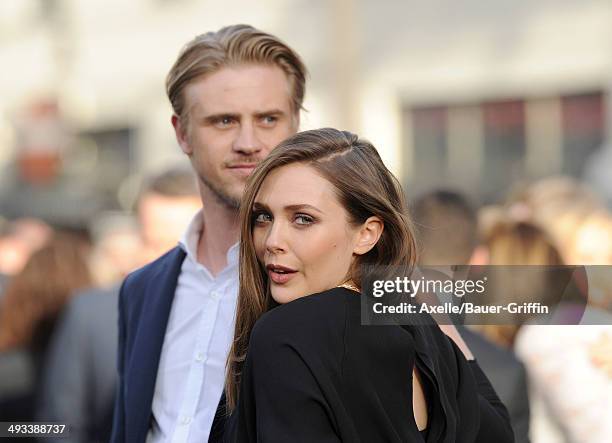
(150, 333)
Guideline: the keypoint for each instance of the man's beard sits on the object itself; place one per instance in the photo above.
(222, 197)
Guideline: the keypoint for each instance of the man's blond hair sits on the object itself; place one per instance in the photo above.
(231, 46)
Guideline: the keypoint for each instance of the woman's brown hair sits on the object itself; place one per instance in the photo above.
(517, 243)
(364, 187)
(35, 297)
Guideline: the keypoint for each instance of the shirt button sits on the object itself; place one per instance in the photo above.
(214, 295)
(199, 357)
(186, 420)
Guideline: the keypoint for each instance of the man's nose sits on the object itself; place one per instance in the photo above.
(247, 141)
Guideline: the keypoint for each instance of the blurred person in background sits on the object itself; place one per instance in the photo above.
(32, 231)
(235, 93)
(593, 248)
(170, 200)
(41, 178)
(510, 243)
(19, 238)
(7, 253)
(593, 240)
(576, 222)
(559, 357)
(29, 310)
(557, 205)
(597, 172)
(80, 376)
(447, 234)
(117, 247)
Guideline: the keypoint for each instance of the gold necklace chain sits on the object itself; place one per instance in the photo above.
(349, 285)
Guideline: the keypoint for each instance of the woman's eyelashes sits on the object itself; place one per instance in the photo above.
(304, 219)
(300, 219)
(261, 217)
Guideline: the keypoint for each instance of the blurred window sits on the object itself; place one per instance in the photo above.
(437, 134)
(103, 158)
(583, 129)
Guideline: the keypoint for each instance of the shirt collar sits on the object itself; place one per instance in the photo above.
(191, 236)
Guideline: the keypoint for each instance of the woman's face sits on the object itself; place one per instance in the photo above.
(302, 234)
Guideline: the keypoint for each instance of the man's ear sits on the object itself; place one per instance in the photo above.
(181, 134)
(296, 121)
(368, 235)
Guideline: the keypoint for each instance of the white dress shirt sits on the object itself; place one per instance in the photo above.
(191, 373)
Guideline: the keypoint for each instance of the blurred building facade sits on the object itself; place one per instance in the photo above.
(476, 95)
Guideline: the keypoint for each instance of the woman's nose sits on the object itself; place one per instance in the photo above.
(275, 241)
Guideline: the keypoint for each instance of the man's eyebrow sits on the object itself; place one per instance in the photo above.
(260, 114)
(211, 118)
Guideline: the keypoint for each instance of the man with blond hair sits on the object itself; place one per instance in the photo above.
(236, 93)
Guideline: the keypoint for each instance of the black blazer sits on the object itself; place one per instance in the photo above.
(313, 373)
(508, 377)
(145, 300)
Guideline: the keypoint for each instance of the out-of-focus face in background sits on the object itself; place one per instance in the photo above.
(593, 240)
(236, 116)
(123, 242)
(163, 220)
(26, 236)
(13, 255)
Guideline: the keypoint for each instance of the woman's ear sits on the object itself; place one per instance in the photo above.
(368, 235)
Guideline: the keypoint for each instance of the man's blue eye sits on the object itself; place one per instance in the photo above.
(224, 121)
(270, 119)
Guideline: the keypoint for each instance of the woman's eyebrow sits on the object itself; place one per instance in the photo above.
(258, 205)
(297, 207)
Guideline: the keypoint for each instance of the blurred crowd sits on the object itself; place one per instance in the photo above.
(58, 304)
(556, 380)
(59, 290)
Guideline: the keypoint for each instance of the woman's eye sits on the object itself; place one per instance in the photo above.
(302, 219)
(261, 217)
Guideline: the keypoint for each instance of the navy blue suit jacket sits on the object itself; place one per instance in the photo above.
(145, 300)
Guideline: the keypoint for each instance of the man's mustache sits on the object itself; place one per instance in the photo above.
(243, 162)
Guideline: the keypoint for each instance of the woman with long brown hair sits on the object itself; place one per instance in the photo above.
(317, 211)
